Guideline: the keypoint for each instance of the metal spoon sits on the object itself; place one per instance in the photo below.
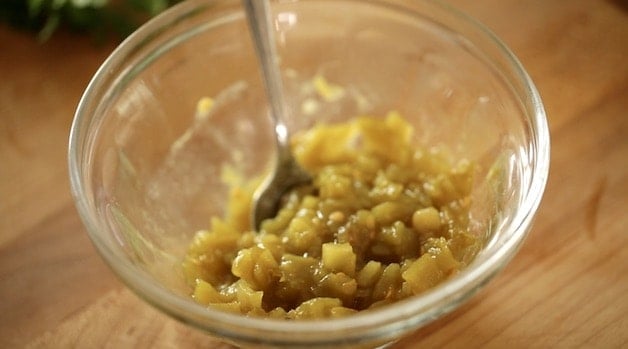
(287, 172)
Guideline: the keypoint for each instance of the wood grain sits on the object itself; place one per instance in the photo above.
(566, 288)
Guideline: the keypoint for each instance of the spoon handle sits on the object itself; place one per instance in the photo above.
(260, 24)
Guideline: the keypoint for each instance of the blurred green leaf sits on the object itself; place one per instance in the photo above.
(35, 7)
(152, 7)
(100, 18)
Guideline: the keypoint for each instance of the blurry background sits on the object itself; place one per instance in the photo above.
(99, 18)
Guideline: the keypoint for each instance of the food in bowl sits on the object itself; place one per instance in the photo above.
(383, 220)
(141, 202)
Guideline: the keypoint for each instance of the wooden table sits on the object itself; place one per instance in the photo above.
(568, 286)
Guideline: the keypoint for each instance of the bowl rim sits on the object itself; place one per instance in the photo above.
(364, 326)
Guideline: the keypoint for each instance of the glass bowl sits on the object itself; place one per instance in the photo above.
(181, 98)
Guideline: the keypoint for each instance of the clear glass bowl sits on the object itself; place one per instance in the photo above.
(145, 156)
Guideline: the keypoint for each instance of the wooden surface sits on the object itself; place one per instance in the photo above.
(568, 286)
